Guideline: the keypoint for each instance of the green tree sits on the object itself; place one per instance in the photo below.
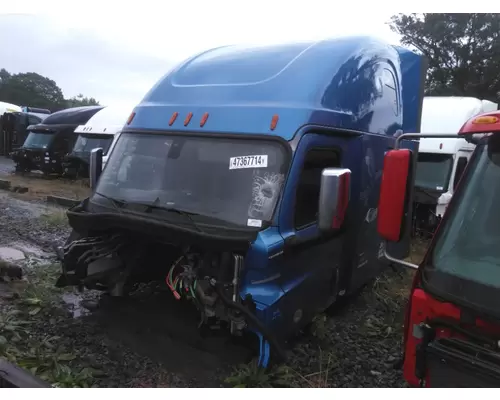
(30, 89)
(463, 51)
(34, 90)
(80, 101)
(4, 76)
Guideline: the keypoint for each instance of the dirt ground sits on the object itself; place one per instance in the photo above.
(133, 343)
(40, 187)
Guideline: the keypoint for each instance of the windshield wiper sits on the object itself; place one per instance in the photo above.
(117, 204)
(155, 205)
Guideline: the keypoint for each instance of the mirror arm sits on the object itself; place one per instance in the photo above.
(396, 260)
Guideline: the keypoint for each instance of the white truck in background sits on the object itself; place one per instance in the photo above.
(101, 131)
(441, 162)
(8, 107)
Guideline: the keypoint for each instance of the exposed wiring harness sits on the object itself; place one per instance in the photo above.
(181, 283)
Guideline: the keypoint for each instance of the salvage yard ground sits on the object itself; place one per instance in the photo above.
(132, 343)
(39, 187)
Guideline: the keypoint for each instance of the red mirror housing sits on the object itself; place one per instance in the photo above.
(393, 192)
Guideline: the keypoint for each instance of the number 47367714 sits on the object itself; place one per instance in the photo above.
(257, 161)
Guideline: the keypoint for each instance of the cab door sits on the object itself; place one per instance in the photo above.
(313, 263)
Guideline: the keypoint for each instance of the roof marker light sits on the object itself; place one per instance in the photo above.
(204, 119)
(274, 122)
(130, 118)
(173, 118)
(487, 119)
(188, 119)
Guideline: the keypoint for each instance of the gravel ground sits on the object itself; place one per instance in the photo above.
(131, 345)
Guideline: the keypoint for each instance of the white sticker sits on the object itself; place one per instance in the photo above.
(439, 188)
(254, 222)
(259, 161)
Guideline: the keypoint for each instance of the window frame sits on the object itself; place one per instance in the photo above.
(393, 86)
(456, 178)
(334, 150)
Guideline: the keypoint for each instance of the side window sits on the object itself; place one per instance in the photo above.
(391, 89)
(307, 196)
(461, 164)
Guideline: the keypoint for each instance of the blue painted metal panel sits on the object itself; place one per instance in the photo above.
(337, 83)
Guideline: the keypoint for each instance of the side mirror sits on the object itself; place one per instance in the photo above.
(95, 167)
(334, 198)
(393, 194)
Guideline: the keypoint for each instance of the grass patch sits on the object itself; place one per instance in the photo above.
(251, 376)
(40, 291)
(40, 187)
(43, 355)
(281, 376)
(418, 250)
(55, 218)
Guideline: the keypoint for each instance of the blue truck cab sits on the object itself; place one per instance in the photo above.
(248, 179)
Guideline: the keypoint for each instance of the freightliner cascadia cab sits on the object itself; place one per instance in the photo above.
(247, 181)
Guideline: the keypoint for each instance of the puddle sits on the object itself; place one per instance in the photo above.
(11, 254)
(74, 303)
(32, 250)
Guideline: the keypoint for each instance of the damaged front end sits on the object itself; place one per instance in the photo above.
(114, 252)
(27, 160)
(184, 211)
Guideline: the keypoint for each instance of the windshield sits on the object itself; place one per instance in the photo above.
(39, 140)
(433, 171)
(87, 142)
(234, 180)
(466, 257)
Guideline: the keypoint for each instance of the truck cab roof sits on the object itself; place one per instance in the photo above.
(334, 82)
(71, 116)
(8, 107)
(447, 114)
(110, 120)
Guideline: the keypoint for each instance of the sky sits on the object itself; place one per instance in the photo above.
(115, 52)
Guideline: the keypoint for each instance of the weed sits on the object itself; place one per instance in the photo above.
(45, 356)
(319, 379)
(55, 218)
(41, 291)
(251, 376)
(319, 327)
(50, 362)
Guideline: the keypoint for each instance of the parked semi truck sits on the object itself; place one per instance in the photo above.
(39, 112)
(49, 142)
(14, 129)
(441, 161)
(100, 131)
(452, 327)
(247, 181)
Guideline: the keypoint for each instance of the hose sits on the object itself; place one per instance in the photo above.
(254, 320)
